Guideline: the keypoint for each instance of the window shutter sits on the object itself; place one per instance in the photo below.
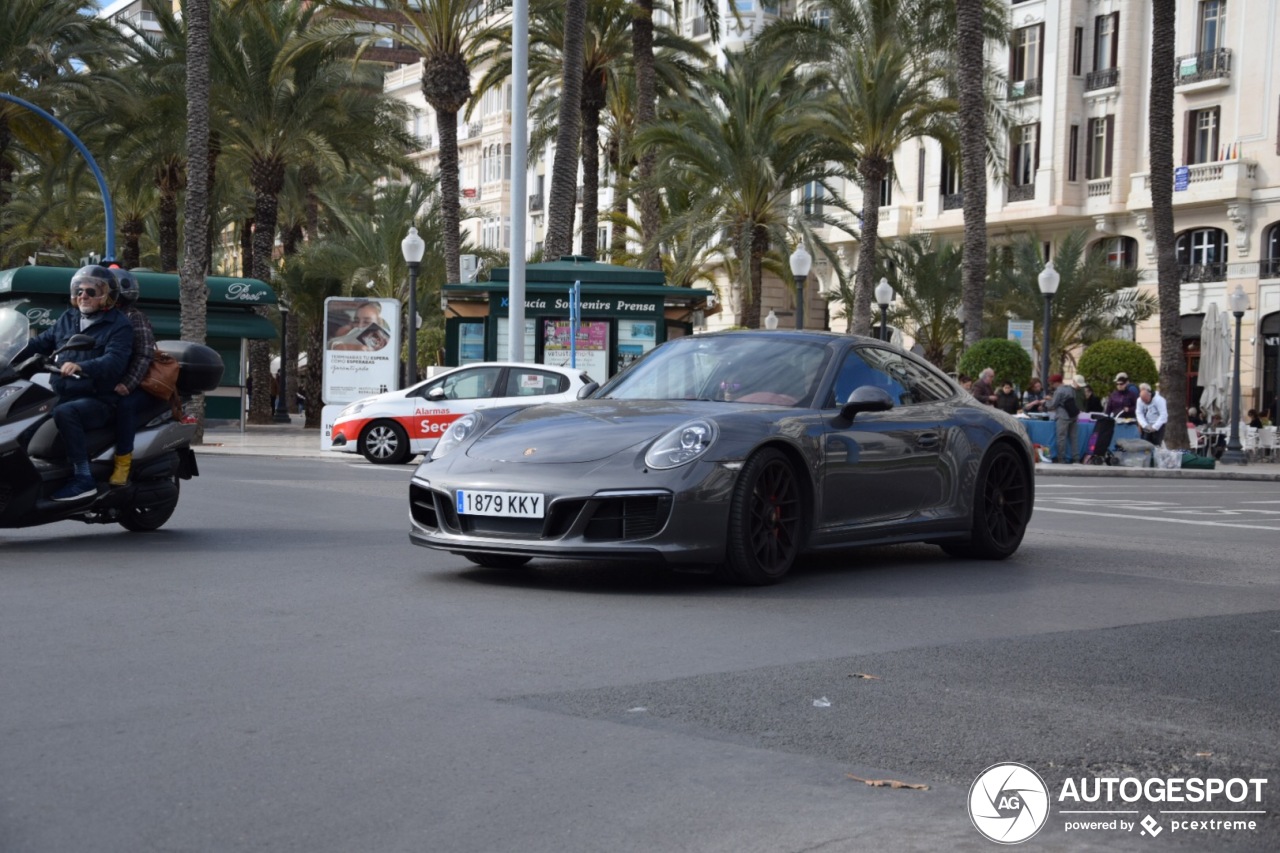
(1036, 162)
(1040, 57)
(1115, 43)
(1111, 133)
(1088, 150)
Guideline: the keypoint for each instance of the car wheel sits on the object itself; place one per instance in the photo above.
(384, 443)
(765, 522)
(497, 561)
(1001, 508)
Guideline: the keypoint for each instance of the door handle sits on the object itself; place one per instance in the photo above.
(928, 440)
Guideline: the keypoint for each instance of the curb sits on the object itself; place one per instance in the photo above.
(1240, 472)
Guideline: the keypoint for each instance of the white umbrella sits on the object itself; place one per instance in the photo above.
(1212, 361)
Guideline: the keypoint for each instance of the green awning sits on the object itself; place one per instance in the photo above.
(155, 287)
(165, 321)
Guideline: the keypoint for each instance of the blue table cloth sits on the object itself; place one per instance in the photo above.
(1046, 433)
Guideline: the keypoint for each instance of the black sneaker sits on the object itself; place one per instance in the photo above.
(76, 489)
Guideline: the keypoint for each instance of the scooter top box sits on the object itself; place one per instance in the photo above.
(201, 366)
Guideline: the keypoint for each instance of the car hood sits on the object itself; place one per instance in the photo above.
(583, 430)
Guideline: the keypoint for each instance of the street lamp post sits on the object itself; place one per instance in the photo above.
(282, 385)
(801, 263)
(1234, 454)
(884, 295)
(413, 248)
(1049, 278)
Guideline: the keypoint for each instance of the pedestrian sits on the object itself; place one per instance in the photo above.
(966, 382)
(1007, 398)
(1033, 397)
(983, 389)
(1253, 420)
(1065, 411)
(131, 396)
(1092, 402)
(86, 379)
(1121, 403)
(1152, 413)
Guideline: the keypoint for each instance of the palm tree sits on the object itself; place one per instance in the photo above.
(564, 169)
(1173, 369)
(49, 51)
(1092, 302)
(743, 143)
(448, 34)
(300, 102)
(927, 279)
(193, 294)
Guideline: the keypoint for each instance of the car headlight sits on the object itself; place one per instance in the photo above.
(458, 432)
(681, 445)
(354, 408)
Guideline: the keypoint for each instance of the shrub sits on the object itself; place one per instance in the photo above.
(1102, 361)
(1007, 358)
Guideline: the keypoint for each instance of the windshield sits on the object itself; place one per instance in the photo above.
(14, 334)
(736, 367)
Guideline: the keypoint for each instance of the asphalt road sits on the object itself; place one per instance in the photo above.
(279, 669)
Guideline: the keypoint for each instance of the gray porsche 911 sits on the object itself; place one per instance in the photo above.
(734, 450)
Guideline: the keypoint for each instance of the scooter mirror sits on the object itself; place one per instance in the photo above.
(77, 342)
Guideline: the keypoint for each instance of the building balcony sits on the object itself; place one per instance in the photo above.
(700, 27)
(1021, 192)
(1269, 268)
(1025, 89)
(1202, 183)
(474, 129)
(535, 203)
(1201, 273)
(953, 201)
(1099, 188)
(1108, 78)
(1203, 66)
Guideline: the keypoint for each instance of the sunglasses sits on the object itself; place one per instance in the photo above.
(91, 292)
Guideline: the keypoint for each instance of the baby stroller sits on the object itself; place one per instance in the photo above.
(1098, 451)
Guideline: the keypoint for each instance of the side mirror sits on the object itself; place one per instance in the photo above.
(77, 342)
(587, 390)
(436, 393)
(868, 398)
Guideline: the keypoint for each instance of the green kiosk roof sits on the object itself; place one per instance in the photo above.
(554, 276)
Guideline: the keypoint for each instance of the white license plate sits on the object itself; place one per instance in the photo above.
(504, 504)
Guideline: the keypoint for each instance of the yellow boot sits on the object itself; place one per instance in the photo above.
(120, 474)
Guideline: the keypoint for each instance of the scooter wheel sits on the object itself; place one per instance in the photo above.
(151, 516)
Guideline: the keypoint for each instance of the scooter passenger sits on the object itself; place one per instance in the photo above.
(86, 380)
(131, 396)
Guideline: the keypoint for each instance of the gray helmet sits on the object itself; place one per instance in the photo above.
(100, 276)
(130, 290)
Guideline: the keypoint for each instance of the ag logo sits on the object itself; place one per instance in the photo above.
(1008, 803)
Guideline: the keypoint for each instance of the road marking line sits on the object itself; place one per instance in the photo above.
(1149, 518)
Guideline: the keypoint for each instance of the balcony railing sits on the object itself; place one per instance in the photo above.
(1025, 89)
(1022, 192)
(1205, 65)
(473, 129)
(952, 201)
(1191, 273)
(700, 27)
(1269, 268)
(1100, 188)
(581, 192)
(535, 203)
(427, 141)
(1104, 79)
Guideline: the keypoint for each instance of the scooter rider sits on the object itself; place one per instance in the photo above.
(131, 396)
(86, 380)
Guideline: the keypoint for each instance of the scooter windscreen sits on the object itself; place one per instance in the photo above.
(15, 331)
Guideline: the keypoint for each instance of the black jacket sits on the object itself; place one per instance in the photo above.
(101, 367)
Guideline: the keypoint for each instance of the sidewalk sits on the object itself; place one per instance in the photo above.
(293, 441)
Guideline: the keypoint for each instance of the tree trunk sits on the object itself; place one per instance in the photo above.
(132, 228)
(193, 295)
(646, 116)
(621, 183)
(970, 63)
(871, 171)
(593, 101)
(170, 178)
(751, 300)
(564, 170)
(310, 376)
(246, 248)
(267, 178)
(1173, 371)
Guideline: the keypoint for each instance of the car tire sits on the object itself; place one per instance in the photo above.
(1001, 508)
(384, 443)
(766, 521)
(497, 561)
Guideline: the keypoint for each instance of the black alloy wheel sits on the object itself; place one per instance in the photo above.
(384, 443)
(1001, 508)
(765, 520)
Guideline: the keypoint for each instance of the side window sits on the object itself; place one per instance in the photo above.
(889, 371)
(471, 384)
(925, 384)
(854, 373)
(534, 383)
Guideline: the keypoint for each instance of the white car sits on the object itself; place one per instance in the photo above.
(391, 428)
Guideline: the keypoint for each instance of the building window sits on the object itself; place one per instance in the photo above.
(951, 183)
(1202, 255)
(506, 162)
(1105, 32)
(1073, 153)
(1027, 58)
(886, 189)
(812, 199)
(1077, 51)
(1121, 252)
(1025, 155)
(1098, 157)
(1271, 256)
(920, 175)
(1202, 136)
(1213, 21)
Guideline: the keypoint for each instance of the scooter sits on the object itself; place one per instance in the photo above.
(33, 463)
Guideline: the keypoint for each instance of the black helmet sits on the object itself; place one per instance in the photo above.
(130, 290)
(96, 274)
